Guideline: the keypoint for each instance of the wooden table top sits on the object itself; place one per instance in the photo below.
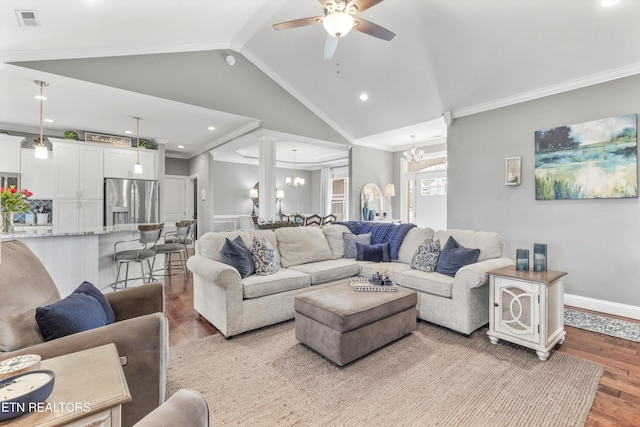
(90, 380)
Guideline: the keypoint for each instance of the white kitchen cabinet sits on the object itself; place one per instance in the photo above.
(72, 215)
(119, 163)
(527, 308)
(78, 170)
(36, 175)
(10, 149)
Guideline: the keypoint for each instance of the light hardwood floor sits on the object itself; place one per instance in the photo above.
(617, 401)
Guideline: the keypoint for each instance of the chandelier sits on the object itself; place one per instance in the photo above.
(413, 154)
(296, 181)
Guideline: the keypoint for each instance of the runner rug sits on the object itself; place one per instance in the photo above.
(602, 324)
(432, 377)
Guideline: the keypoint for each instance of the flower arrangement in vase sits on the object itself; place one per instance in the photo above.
(12, 201)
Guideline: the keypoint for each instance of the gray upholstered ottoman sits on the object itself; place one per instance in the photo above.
(343, 325)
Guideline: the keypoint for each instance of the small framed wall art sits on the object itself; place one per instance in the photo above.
(513, 171)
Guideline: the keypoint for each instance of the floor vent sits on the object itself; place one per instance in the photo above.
(28, 18)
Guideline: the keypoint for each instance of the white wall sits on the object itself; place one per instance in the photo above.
(595, 241)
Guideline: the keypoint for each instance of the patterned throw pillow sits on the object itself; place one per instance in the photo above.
(264, 257)
(350, 240)
(426, 256)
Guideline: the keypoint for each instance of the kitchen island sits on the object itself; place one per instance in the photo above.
(75, 256)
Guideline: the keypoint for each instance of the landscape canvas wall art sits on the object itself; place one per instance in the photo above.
(591, 160)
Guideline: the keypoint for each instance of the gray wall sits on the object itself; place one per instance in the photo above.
(594, 241)
(176, 166)
(375, 166)
(233, 181)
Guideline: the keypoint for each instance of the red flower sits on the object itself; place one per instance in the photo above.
(14, 190)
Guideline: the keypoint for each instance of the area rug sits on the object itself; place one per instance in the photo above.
(432, 377)
(602, 324)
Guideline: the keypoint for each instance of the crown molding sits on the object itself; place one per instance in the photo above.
(582, 82)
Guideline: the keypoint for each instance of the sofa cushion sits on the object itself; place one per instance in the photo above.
(301, 245)
(327, 271)
(374, 253)
(430, 283)
(284, 280)
(411, 241)
(236, 253)
(78, 312)
(334, 234)
(426, 256)
(350, 240)
(393, 269)
(454, 256)
(489, 243)
(211, 243)
(264, 257)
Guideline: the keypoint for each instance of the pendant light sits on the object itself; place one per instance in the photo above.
(296, 181)
(41, 151)
(137, 169)
(413, 154)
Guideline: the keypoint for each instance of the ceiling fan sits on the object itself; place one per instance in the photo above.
(339, 18)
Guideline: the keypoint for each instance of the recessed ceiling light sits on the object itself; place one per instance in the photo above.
(609, 3)
(48, 120)
(180, 146)
(211, 128)
(364, 97)
(128, 132)
(44, 98)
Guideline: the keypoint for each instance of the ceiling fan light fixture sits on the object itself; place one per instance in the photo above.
(338, 24)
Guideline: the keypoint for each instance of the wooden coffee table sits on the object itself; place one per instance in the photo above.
(89, 390)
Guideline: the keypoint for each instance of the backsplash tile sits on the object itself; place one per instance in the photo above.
(46, 205)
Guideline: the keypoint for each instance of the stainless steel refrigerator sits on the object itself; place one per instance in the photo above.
(130, 201)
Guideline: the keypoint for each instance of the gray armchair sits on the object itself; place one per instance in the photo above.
(139, 332)
(186, 408)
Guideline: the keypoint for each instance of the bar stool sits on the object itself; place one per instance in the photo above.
(149, 236)
(175, 242)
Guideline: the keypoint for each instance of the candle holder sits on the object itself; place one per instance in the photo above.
(539, 257)
(522, 259)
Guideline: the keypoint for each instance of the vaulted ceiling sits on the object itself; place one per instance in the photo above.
(166, 59)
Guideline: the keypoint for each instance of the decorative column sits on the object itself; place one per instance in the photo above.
(267, 193)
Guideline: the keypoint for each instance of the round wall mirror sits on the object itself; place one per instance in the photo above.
(370, 202)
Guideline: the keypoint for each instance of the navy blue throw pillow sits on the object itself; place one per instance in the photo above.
(375, 253)
(89, 289)
(77, 312)
(453, 257)
(236, 254)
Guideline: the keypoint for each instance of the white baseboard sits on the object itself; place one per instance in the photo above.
(624, 310)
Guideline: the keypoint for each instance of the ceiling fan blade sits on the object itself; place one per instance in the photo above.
(303, 22)
(330, 46)
(362, 5)
(372, 29)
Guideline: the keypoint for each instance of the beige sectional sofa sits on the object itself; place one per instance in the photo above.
(311, 258)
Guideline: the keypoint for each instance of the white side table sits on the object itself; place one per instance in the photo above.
(527, 308)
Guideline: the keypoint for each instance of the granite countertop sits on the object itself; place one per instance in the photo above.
(42, 232)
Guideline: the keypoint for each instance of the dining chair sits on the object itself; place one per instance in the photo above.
(314, 219)
(329, 219)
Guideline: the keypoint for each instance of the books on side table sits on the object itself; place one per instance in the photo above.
(362, 284)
